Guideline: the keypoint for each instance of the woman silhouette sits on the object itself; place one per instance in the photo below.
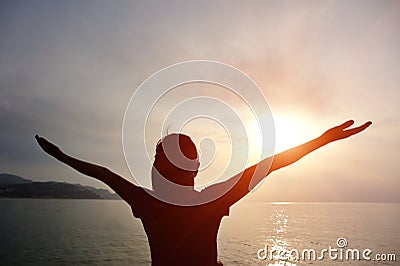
(187, 235)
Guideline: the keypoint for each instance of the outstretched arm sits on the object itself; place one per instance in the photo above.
(120, 185)
(294, 154)
(243, 182)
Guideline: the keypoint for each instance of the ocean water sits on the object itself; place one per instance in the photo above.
(104, 232)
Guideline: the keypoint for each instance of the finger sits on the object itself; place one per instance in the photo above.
(365, 125)
(359, 128)
(42, 141)
(346, 124)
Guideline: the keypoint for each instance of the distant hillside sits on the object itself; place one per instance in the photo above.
(12, 186)
(13, 179)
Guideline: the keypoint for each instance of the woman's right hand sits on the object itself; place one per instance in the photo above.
(48, 147)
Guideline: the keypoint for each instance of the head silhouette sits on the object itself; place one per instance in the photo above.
(176, 160)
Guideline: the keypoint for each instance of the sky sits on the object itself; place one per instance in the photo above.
(69, 68)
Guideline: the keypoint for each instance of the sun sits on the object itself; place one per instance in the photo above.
(290, 131)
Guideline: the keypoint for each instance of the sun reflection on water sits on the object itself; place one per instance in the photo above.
(279, 221)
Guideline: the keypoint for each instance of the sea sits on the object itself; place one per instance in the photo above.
(104, 232)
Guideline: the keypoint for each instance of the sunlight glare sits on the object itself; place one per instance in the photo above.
(290, 131)
(281, 203)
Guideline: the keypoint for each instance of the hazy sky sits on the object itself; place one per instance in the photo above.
(69, 68)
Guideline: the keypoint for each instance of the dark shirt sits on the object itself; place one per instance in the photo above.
(180, 235)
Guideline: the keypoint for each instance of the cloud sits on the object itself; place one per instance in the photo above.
(67, 70)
